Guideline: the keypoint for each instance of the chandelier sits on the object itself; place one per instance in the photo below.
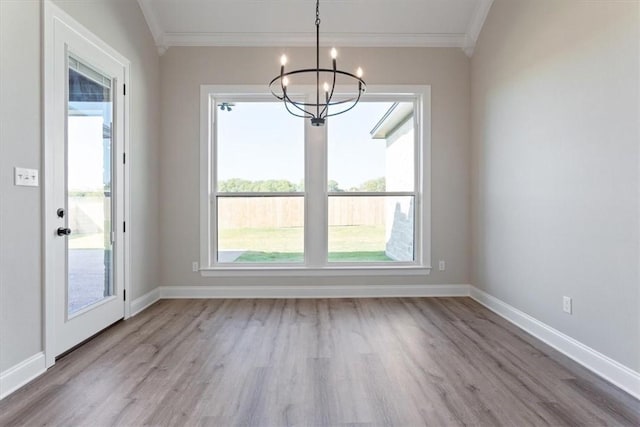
(325, 105)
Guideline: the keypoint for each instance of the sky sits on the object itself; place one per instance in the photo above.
(85, 154)
(261, 141)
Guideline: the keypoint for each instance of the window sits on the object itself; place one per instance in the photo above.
(371, 165)
(280, 195)
(259, 185)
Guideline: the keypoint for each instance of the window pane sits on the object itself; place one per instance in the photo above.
(371, 148)
(260, 229)
(89, 178)
(371, 229)
(260, 148)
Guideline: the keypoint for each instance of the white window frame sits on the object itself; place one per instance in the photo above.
(316, 212)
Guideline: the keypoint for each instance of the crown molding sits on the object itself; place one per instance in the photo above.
(154, 25)
(308, 39)
(475, 26)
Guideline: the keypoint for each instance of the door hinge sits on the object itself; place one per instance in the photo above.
(124, 157)
(124, 89)
(124, 294)
(124, 227)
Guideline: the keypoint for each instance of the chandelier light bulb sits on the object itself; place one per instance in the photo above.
(334, 53)
(283, 60)
(359, 72)
(326, 87)
(285, 81)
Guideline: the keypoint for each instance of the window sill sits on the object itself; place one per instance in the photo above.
(332, 271)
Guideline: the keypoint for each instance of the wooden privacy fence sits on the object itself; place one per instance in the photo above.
(268, 212)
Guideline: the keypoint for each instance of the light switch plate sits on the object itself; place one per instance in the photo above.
(26, 177)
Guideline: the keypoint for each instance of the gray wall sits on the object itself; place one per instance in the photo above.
(119, 23)
(185, 69)
(555, 136)
(20, 231)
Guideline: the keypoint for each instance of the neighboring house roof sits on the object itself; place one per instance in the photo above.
(391, 120)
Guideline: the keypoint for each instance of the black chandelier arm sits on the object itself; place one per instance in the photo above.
(354, 100)
(282, 88)
(331, 104)
(343, 101)
(288, 100)
(285, 98)
(313, 105)
(330, 96)
(280, 98)
(293, 113)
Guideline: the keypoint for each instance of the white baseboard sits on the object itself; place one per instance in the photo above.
(20, 374)
(141, 303)
(614, 372)
(318, 291)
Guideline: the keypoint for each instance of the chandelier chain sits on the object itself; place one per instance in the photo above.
(317, 12)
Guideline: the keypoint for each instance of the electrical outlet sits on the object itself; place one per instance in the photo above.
(194, 267)
(567, 305)
(442, 266)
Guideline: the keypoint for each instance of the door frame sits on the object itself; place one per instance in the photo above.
(52, 16)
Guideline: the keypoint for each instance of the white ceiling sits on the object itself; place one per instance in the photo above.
(433, 23)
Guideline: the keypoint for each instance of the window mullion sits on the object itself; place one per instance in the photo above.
(316, 222)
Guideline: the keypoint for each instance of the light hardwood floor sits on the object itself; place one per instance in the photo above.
(396, 361)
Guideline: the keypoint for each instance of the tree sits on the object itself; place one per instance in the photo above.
(234, 185)
(274, 185)
(334, 186)
(239, 185)
(374, 185)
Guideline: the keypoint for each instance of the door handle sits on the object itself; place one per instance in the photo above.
(63, 231)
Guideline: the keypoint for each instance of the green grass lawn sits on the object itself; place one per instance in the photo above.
(282, 257)
(252, 256)
(285, 245)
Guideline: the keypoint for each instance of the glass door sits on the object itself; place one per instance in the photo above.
(85, 186)
(89, 254)
(88, 187)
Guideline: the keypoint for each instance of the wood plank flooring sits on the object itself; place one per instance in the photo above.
(324, 362)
